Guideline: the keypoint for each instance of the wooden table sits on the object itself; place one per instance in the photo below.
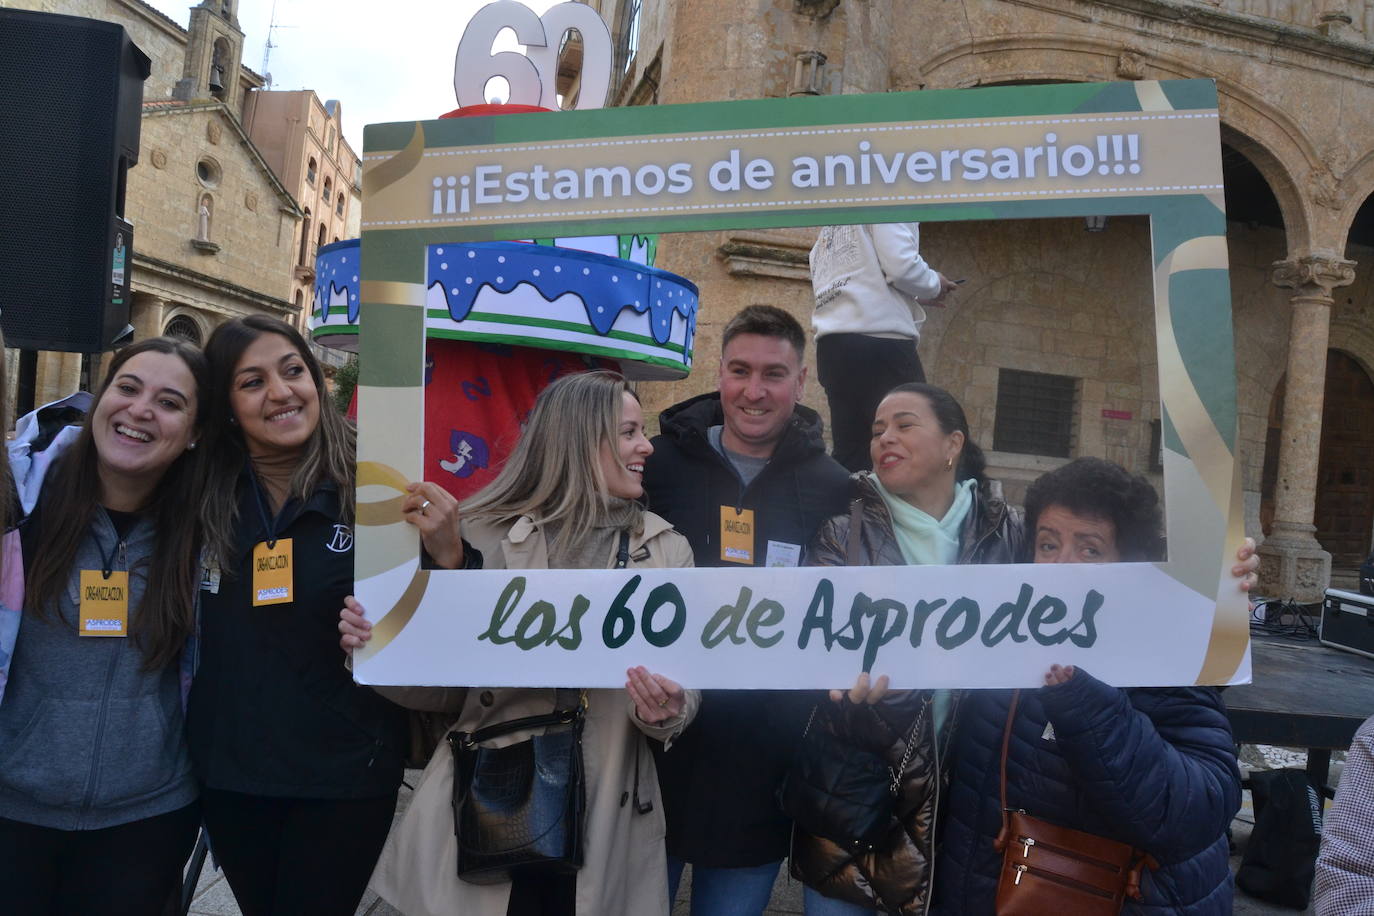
(1304, 695)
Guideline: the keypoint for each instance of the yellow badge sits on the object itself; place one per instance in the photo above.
(737, 535)
(272, 573)
(104, 603)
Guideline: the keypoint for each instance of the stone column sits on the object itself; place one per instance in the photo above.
(146, 315)
(1292, 563)
(58, 375)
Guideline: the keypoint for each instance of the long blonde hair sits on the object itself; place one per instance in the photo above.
(554, 474)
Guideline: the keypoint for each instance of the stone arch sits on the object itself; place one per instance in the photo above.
(1334, 465)
(1354, 190)
(1263, 133)
(221, 64)
(1355, 339)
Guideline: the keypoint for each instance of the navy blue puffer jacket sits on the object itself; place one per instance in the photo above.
(1155, 768)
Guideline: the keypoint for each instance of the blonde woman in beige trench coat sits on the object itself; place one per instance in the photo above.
(624, 870)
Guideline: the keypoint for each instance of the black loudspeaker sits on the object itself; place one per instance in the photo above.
(71, 96)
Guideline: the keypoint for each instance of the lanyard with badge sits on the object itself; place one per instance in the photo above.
(737, 535)
(104, 608)
(272, 580)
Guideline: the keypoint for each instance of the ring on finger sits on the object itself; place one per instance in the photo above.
(425, 505)
(663, 703)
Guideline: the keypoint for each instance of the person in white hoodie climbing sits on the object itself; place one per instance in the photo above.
(869, 282)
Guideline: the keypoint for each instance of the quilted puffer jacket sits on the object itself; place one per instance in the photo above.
(1155, 768)
(895, 877)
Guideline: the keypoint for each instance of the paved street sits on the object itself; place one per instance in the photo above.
(213, 897)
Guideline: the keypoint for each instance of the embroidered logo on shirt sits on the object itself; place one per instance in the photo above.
(342, 541)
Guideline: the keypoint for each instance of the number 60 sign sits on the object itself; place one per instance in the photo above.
(532, 76)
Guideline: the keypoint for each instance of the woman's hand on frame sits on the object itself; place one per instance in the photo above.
(657, 699)
(1247, 565)
(434, 511)
(865, 690)
(1058, 674)
(354, 628)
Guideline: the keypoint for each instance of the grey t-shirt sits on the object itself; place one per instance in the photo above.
(746, 467)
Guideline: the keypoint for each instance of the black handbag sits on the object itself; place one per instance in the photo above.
(519, 809)
(838, 791)
(841, 792)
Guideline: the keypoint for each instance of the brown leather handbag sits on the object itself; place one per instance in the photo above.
(1051, 869)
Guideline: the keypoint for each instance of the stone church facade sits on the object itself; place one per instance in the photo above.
(1051, 309)
(214, 227)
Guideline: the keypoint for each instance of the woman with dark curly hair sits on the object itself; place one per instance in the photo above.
(1154, 768)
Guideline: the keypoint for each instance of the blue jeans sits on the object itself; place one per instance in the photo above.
(817, 904)
(725, 891)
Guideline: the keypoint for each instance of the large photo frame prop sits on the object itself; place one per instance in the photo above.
(1146, 148)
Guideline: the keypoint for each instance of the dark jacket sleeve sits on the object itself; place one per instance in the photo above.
(1160, 763)
(829, 546)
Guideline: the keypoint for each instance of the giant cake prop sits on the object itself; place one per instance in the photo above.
(506, 318)
(564, 294)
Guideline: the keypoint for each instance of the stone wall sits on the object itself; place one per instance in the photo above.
(1041, 296)
(292, 129)
(248, 224)
(156, 35)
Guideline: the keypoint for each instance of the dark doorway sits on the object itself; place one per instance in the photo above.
(1345, 471)
(1344, 513)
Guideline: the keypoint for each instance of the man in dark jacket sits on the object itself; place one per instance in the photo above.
(743, 474)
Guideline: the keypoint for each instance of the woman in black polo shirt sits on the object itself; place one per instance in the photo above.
(299, 766)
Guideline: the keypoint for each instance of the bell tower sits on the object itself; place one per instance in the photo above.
(213, 55)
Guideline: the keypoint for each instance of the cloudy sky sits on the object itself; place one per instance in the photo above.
(385, 60)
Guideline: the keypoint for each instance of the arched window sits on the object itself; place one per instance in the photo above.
(205, 212)
(328, 189)
(339, 207)
(219, 65)
(310, 170)
(185, 327)
(305, 239)
(323, 230)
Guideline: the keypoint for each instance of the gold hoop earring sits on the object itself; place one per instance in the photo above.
(949, 464)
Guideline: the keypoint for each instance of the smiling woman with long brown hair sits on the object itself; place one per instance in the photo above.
(299, 765)
(97, 801)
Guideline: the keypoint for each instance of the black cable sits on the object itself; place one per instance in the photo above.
(1284, 617)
